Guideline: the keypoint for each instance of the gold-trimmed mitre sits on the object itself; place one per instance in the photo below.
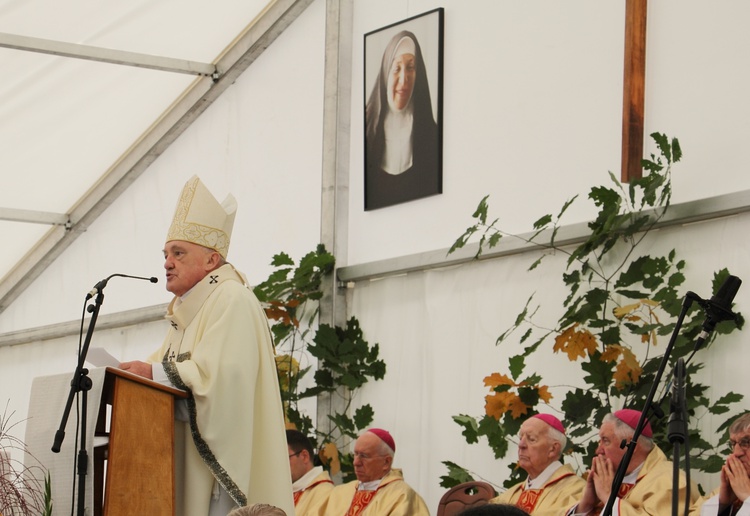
(200, 219)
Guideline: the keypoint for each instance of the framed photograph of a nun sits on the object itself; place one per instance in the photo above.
(403, 111)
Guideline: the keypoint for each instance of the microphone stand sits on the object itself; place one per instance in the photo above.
(80, 383)
(677, 430)
(625, 462)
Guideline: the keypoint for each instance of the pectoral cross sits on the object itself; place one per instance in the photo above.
(634, 85)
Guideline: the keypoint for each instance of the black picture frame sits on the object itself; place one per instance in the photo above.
(403, 96)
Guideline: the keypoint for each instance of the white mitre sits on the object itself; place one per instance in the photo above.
(200, 219)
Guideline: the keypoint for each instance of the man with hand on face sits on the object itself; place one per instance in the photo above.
(732, 497)
(379, 490)
(647, 485)
(229, 433)
(551, 486)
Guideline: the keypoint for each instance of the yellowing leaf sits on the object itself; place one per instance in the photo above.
(544, 393)
(575, 343)
(649, 337)
(628, 370)
(650, 302)
(622, 311)
(611, 353)
(277, 314)
(496, 379)
(498, 403)
(287, 368)
(518, 408)
(287, 364)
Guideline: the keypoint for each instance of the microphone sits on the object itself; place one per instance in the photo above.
(103, 283)
(718, 308)
(676, 427)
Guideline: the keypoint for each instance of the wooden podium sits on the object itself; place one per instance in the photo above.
(138, 477)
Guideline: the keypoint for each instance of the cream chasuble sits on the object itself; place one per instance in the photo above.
(709, 506)
(393, 497)
(313, 498)
(652, 492)
(563, 489)
(219, 348)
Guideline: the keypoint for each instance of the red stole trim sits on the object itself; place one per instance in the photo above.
(363, 498)
(298, 494)
(360, 501)
(624, 490)
(528, 499)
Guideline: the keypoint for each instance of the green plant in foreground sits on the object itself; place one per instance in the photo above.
(345, 360)
(47, 496)
(620, 311)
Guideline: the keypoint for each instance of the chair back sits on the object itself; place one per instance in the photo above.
(463, 496)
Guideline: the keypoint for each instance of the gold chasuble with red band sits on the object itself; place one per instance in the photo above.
(313, 499)
(528, 499)
(298, 494)
(651, 495)
(360, 501)
(393, 497)
(624, 490)
(563, 489)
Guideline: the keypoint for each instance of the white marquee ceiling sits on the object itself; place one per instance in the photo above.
(76, 130)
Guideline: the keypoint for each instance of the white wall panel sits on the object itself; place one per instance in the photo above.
(437, 333)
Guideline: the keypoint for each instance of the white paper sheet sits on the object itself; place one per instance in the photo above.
(100, 357)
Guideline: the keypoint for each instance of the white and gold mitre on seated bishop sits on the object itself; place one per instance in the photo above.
(200, 219)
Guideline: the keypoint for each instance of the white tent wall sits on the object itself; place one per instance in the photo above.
(261, 141)
(437, 331)
(532, 113)
(533, 97)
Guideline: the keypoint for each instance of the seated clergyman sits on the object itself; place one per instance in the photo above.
(551, 487)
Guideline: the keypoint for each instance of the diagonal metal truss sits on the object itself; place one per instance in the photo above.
(204, 90)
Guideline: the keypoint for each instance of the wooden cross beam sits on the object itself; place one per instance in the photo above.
(634, 84)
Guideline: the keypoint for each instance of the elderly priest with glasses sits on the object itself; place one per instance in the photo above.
(379, 489)
(732, 497)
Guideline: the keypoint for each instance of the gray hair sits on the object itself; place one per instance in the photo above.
(384, 449)
(741, 424)
(558, 436)
(258, 509)
(624, 431)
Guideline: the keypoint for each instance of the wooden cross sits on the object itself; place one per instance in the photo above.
(634, 83)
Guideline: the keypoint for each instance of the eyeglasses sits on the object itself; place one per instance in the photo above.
(295, 454)
(364, 456)
(744, 443)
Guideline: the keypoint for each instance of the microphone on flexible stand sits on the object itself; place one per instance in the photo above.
(81, 383)
(103, 283)
(718, 308)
